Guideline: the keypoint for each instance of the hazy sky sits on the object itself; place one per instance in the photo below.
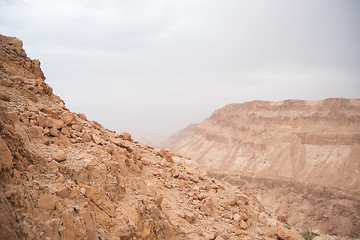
(153, 67)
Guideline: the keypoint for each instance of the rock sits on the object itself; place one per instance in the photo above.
(77, 127)
(243, 224)
(62, 191)
(228, 215)
(69, 118)
(6, 82)
(232, 201)
(237, 217)
(47, 201)
(244, 216)
(5, 156)
(50, 113)
(242, 199)
(82, 116)
(36, 70)
(145, 162)
(134, 167)
(222, 234)
(97, 139)
(125, 136)
(130, 212)
(35, 132)
(100, 200)
(195, 178)
(189, 217)
(65, 131)
(44, 121)
(285, 234)
(59, 156)
(4, 96)
(262, 218)
(13, 117)
(86, 137)
(54, 132)
(207, 206)
(166, 155)
(168, 185)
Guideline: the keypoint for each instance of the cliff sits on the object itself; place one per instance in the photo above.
(315, 142)
(300, 158)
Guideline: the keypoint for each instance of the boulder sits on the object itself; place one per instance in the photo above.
(100, 199)
(166, 155)
(206, 206)
(237, 217)
(35, 132)
(189, 217)
(47, 201)
(54, 132)
(283, 233)
(85, 137)
(69, 118)
(125, 136)
(59, 156)
(77, 127)
(243, 224)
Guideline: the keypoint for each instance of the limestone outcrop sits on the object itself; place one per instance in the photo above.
(301, 158)
(316, 142)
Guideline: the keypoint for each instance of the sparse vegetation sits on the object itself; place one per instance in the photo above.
(308, 235)
(288, 226)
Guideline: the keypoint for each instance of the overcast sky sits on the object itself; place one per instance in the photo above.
(153, 67)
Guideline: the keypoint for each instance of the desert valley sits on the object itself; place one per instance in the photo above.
(300, 158)
(258, 170)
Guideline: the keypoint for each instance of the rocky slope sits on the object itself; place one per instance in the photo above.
(309, 147)
(65, 177)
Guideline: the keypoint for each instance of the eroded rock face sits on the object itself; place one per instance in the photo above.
(294, 154)
(300, 140)
(64, 177)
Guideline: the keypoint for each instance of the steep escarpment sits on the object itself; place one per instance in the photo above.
(311, 147)
(313, 142)
(63, 176)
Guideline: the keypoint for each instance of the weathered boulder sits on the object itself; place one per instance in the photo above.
(125, 136)
(69, 118)
(47, 201)
(166, 155)
(59, 156)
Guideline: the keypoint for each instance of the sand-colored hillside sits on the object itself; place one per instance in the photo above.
(302, 158)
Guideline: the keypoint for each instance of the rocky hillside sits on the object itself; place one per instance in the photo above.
(302, 158)
(65, 177)
(312, 142)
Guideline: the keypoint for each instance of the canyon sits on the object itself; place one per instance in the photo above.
(300, 158)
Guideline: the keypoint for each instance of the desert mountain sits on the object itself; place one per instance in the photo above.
(65, 177)
(302, 158)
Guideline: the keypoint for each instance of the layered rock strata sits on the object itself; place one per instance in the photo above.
(315, 142)
(295, 155)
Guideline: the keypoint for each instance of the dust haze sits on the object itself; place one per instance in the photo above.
(153, 67)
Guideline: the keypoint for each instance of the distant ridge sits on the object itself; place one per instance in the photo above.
(293, 154)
